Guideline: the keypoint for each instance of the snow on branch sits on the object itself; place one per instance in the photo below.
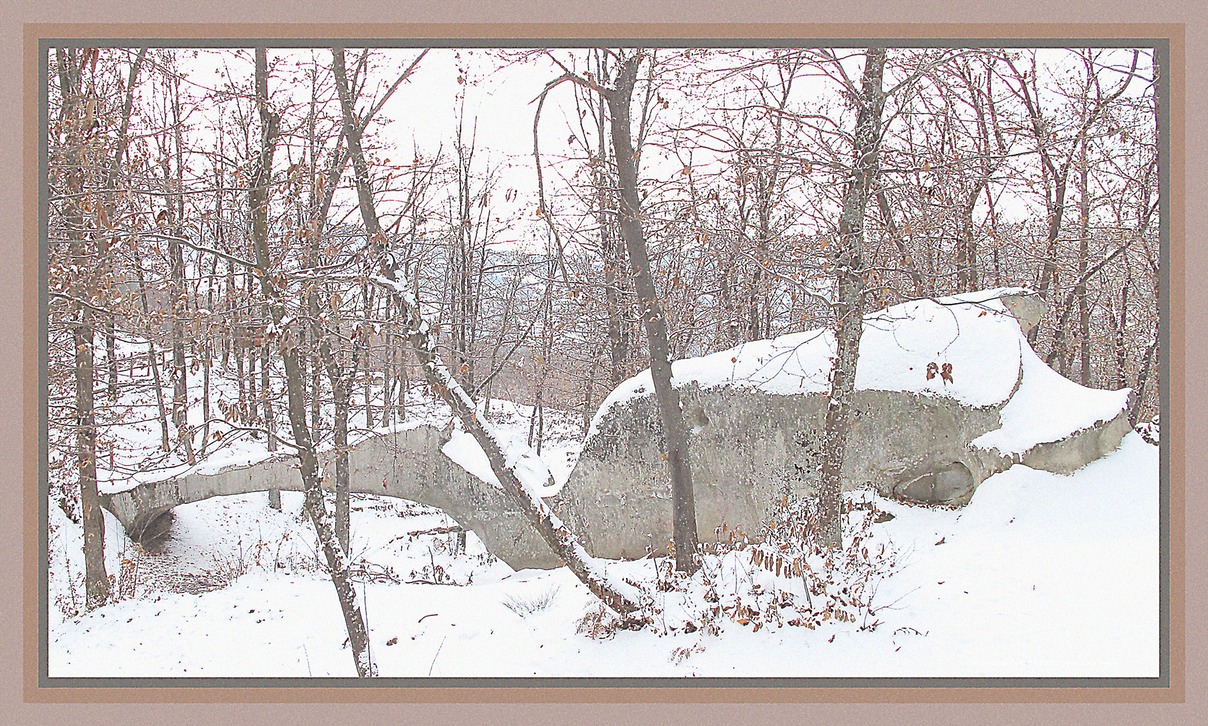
(521, 473)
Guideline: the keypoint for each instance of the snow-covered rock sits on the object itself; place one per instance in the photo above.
(948, 393)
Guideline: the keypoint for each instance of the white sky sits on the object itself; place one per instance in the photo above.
(499, 97)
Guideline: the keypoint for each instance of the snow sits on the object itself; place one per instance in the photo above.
(972, 338)
(530, 471)
(1040, 575)
(464, 451)
(138, 458)
(973, 333)
(1049, 407)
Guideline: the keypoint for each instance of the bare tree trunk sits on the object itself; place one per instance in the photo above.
(1148, 363)
(388, 379)
(849, 307)
(316, 391)
(560, 539)
(891, 228)
(362, 358)
(96, 581)
(1120, 327)
(675, 431)
(340, 441)
(205, 394)
(270, 419)
(341, 392)
(1080, 292)
(180, 370)
(152, 354)
(255, 328)
(316, 509)
(966, 258)
(612, 249)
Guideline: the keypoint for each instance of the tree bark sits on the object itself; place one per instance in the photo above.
(96, 581)
(675, 431)
(316, 509)
(1080, 291)
(849, 306)
(340, 441)
(84, 284)
(180, 369)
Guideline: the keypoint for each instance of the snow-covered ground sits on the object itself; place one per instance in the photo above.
(1040, 575)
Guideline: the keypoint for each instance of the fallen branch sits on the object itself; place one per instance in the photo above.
(519, 471)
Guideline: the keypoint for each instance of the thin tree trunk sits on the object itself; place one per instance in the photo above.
(180, 384)
(675, 431)
(340, 441)
(363, 341)
(1121, 328)
(891, 228)
(315, 507)
(180, 371)
(1080, 292)
(255, 330)
(205, 396)
(612, 249)
(849, 307)
(1148, 363)
(270, 420)
(114, 170)
(96, 581)
(152, 355)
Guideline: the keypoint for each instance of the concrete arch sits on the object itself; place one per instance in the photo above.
(407, 464)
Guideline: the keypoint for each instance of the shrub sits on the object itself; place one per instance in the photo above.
(525, 606)
(778, 577)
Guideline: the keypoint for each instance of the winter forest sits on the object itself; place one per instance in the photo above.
(605, 362)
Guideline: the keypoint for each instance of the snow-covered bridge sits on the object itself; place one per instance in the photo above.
(407, 464)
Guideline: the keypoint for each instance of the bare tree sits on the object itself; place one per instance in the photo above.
(849, 302)
(618, 98)
(76, 120)
(316, 508)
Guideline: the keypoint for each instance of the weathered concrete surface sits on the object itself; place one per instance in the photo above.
(748, 443)
(745, 445)
(1080, 448)
(408, 465)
